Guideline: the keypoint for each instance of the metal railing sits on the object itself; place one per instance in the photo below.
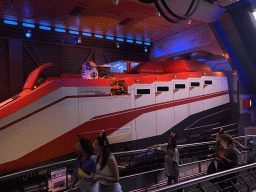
(45, 170)
(197, 181)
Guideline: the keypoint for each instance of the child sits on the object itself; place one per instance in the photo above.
(251, 152)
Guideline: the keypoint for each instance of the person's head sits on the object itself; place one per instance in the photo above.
(251, 144)
(226, 140)
(172, 140)
(101, 146)
(84, 146)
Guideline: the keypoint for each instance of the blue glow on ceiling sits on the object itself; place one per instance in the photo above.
(202, 60)
(134, 65)
(87, 34)
(98, 36)
(138, 42)
(10, 22)
(129, 40)
(119, 39)
(28, 25)
(110, 38)
(45, 28)
(146, 43)
(74, 32)
(60, 30)
(117, 67)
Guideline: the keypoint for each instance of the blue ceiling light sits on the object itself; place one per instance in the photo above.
(60, 30)
(119, 39)
(45, 28)
(74, 32)
(98, 36)
(193, 54)
(87, 34)
(28, 25)
(146, 43)
(129, 41)
(202, 60)
(110, 38)
(9, 22)
(28, 34)
(79, 40)
(145, 49)
(138, 42)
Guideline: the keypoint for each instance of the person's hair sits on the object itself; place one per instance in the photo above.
(87, 146)
(226, 137)
(173, 142)
(103, 142)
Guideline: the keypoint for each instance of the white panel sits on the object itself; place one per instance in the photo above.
(165, 120)
(164, 96)
(95, 106)
(145, 99)
(121, 135)
(194, 91)
(225, 98)
(39, 129)
(164, 117)
(225, 83)
(215, 87)
(146, 123)
(42, 102)
(182, 111)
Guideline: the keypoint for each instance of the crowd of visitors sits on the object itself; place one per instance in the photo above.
(100, 173)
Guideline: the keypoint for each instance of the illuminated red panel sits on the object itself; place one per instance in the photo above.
(246, 103)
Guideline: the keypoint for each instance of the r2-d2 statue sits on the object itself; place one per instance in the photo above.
(89, 70)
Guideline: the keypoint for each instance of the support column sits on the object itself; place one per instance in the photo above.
(15, 66)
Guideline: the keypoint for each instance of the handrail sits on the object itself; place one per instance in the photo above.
(160, 169)
(117, 153)
(205, 178)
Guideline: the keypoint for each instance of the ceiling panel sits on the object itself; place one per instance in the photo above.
(128, 19)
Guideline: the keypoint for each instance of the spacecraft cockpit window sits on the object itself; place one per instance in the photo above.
(179, 86)
(208, 82)
(162, 88)
(143, 91)
(195, 84)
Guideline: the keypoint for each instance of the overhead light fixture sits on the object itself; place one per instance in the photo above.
(28, 34)
(145, 49)
(10, 22)
(117, 45)
(28, 25)
(79, 40)
(60, 30)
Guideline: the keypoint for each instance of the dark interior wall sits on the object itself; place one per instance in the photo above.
(241, 34)
(244, 26)
(20, 56)
(4, 69)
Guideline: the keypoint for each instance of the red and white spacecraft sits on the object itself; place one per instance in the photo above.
(137, 106)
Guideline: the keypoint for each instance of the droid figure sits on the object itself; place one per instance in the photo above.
(89, 70)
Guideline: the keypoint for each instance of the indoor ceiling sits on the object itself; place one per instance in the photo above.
(121, 18)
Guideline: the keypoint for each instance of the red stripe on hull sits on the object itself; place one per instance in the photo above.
(66, 143)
